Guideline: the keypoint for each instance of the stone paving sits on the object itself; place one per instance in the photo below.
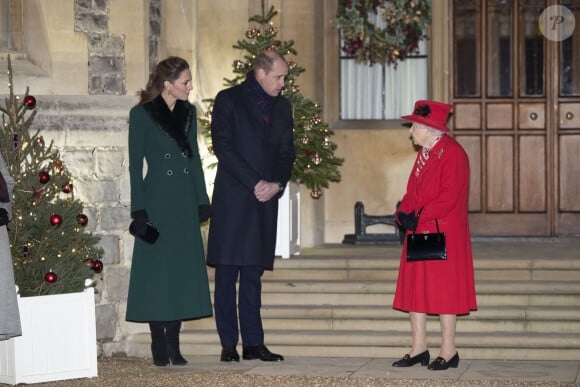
(208, 371)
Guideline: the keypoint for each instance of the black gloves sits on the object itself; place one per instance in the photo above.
(409, 221)
(139, 225)
(204, 211)
(4, 219)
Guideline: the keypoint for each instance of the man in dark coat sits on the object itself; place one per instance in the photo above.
(252, 139)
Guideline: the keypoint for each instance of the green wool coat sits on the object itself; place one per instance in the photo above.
(169, 278)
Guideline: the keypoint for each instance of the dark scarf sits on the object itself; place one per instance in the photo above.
(175, 123)
(263, 100)
(4, 195)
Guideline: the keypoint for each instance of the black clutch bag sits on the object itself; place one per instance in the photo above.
(150, 235)
(427, 246)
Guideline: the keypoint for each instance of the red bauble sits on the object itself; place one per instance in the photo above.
(30, 102)
(82, 219)
(98, 266)
(67, 188)
(50, 277)
(44, 177)
(55, 220)
(90, 263)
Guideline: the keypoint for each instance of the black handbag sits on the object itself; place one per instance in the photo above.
(426, 246)
(150, 235)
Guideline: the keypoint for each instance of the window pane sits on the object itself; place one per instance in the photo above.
(381, 92)
(499, 48)
(405, 85)
(532, 46)
(466, 47)
(361, 90)
(570, 56)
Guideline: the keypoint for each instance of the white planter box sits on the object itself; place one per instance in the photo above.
(58, 340)
(288, 233)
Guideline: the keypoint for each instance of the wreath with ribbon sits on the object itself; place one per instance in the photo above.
(405, 24)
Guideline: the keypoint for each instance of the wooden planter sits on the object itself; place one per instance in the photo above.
(58, 340)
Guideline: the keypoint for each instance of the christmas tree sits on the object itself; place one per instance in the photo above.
(315, 166)
(52, 252)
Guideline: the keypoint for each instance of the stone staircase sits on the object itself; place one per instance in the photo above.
(335, 301)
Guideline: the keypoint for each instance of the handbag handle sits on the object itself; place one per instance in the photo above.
(418, 215)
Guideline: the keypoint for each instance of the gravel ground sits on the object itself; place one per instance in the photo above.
(140, 372)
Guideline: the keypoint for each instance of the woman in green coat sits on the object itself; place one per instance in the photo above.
(169, 281)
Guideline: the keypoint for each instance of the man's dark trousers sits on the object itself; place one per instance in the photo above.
(249, 303)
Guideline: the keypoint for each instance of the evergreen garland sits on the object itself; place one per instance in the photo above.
(405, 24)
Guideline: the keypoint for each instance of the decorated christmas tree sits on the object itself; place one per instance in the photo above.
(315, 166)
(51, 250)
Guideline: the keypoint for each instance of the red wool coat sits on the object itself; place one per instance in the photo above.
(441, 189)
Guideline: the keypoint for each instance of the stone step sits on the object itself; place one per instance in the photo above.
(391, 273)
(469, 325)
(302, 263)
(530, 320)
(381, 293)
(549, 312)
(387, 287)
(381, 312)
(489, 293)
(383, 299)
(373, 287)
(385, 344)
(379, 268)
(336, 301)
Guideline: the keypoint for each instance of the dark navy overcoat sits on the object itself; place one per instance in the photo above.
(243, 229)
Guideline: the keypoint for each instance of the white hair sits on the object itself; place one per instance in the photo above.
(430, 130)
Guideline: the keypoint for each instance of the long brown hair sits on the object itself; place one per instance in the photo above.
(168, 69)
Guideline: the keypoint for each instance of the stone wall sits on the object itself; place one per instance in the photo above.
(90, 133)
(106, 51)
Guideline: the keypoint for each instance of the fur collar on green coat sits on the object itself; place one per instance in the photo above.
(175, 123)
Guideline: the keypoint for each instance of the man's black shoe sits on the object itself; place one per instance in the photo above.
(260, 352)
(229, 354)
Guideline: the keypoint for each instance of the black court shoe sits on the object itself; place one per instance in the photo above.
(408, 361)
(441, 364)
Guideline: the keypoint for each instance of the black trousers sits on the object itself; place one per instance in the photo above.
(249, 304)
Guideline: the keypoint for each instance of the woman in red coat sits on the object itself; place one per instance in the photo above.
(437, 189)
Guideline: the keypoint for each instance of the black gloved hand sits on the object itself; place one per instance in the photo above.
(139, 224)
(409, 221)
(204, 212)
(4, 218)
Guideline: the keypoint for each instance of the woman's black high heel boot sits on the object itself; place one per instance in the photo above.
(159, 343)
(173, 328)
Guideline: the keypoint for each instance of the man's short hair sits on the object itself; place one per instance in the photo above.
(265, 60)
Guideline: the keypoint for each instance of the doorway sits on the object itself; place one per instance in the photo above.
(516, 97)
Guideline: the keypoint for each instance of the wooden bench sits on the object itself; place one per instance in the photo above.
(362, 221)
